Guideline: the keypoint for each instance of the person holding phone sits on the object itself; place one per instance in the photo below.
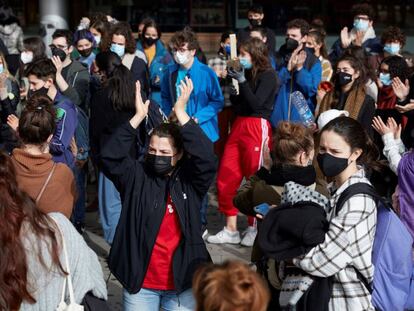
(290, 160)
(243, 153)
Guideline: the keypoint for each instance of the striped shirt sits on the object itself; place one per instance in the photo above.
(348, 246)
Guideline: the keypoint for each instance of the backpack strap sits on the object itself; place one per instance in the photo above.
(358, 188)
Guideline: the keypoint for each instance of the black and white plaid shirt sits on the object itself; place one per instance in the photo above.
(348, 246)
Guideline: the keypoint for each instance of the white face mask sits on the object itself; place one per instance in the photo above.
(26, 57)
(182, 58)
(97, 39)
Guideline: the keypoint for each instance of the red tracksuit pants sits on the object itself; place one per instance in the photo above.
(243, 156)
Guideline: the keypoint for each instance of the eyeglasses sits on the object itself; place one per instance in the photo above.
(181, 50)
(62, 47)
(362, 17)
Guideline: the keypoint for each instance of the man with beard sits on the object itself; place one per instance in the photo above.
(255, 16)
(299, 70)
(72, 77)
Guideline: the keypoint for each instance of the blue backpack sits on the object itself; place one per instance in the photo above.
(392, 257)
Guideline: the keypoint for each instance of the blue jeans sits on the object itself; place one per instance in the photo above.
(109, 207)
(153, 300)
(79, 210)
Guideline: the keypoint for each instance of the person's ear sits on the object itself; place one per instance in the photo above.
(49, 83)
(370, 23)
(355, 154)
(261, 16)
(264, 39)
(70, 49)
(304, 39)
(193, 52)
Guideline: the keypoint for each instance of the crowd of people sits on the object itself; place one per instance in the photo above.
(314, 144)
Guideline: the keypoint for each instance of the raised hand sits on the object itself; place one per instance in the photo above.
(58, 64)
(394, 127)
(359, 37)
(186, 87)
(13, 122)
(405, 108)
(345, 39)
(301, 60)
(380, 126)
(141, 108)
(401, 90)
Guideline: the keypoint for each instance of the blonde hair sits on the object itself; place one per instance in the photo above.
(231, 286)
(5, 67)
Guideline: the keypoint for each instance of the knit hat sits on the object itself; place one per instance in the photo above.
(329, 115)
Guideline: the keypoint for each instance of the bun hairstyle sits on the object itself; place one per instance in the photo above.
(357, 138)
(289, 140)
(37, 121)
(228, 287)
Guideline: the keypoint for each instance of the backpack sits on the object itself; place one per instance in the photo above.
(393, 284)
(82, 135)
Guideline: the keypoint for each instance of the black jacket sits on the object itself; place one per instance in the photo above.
(143, 196)
(257, 99)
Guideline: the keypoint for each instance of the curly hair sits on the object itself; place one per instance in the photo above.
(397, 67)
(393, 34)
(363, 9)
(229, 286)
(180, 38)
(123, 29)
(301, 24)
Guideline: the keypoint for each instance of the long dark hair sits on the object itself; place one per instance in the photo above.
(16, 210)
(319, 38)
(357, 138)
(103, 27)
(120, 82)
(259, 54)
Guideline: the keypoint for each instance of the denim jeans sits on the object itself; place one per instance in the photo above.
(78, 215)
(153, 300)
(109, 207)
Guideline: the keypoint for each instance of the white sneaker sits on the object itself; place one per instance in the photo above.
(225, 236)
(204, 234)
(249, 236)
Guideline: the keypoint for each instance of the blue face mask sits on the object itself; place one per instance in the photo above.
(392, 48)
(361, 24)
(245, 63)
(118, 49)
(227, 49)
(385, 78)
(1, 68)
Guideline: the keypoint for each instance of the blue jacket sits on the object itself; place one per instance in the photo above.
(157, 69)
(66, 122)
(206, 100)
(305, 80)
(371, 47)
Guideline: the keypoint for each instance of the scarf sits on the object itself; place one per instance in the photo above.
(386, 98)
(280, 174)
(353, 103)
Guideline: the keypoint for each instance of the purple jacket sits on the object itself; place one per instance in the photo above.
(406, 190)
(66, 122)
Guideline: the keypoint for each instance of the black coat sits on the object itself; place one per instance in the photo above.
(144, 195)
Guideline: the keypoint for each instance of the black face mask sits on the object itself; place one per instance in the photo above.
(85, 52)
(331, 166)
(291, 44)
(255, 22)
(161, 165)
(344, 78)
(40, 92)
(310, 50)
(58, 52)
(149, 41)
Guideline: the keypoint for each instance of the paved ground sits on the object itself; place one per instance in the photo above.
(219, 253)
